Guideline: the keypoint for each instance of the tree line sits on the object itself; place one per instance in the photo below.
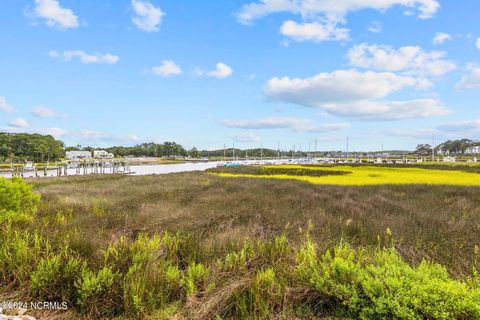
(167, 149)
(457, 146)
(19, 147)
(453, 147)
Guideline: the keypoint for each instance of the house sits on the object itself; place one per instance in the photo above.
(78, 154)
(473, 150)
(449, 159)
(102, 154)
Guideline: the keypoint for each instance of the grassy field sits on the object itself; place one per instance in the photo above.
(222, 218)
(368, 175)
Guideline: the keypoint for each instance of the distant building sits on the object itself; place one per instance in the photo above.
(473, 150)
(102, 154)
(449, 159)
(78, 154)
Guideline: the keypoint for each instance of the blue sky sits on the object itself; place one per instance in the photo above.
(121, 72)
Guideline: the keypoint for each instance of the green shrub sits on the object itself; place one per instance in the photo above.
(152, 281)
(260, 254)
(195, 278)
(381, 285)
(54, 278)
(118, 255)
(17, 201)
(263, 279)
(180, 248)
(148, 271)
(20, 251)
(266, 292)
(237, 261)
(100, 294)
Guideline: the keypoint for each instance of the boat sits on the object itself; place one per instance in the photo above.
(73, 164)
(29, 166)
(233, 164)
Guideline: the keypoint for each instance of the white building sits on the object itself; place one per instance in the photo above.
(473, 150)
(102, 154)
(78, 154)
(449, 159)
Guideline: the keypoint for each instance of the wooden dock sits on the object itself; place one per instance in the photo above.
(67, 169)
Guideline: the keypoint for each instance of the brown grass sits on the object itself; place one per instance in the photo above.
(434, 222)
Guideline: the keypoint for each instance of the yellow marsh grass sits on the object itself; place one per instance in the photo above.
(371, 175)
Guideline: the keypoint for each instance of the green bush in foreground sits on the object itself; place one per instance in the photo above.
(262, 280)
(380, 285)
(56, 275)
(17, 201)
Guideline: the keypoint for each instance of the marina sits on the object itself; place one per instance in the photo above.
(87, 168)
(76, 168)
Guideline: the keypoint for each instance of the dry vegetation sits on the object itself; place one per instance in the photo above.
(200, 246)
(441, 223)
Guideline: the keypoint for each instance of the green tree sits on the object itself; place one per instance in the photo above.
(193, 153)
(34, 147)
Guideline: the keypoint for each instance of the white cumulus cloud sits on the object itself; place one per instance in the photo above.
(295, 124)
(354, 94)
(44, 112)
(147, 16)
(441, 37)
(167, 68)
(321, 17)
(388, 110)
(409, 59)
(336, 86)
(478, 43)
(84, 57)
(471, 80)
(4, 106)
(19, 123)
(330, 8)
(54, 131)
(221, 71)
(314, 31)
(55, 15)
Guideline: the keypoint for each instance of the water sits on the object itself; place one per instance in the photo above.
(171, 168)
(137, 170)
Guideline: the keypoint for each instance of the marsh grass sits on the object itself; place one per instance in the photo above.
(199, 246)
(360, 175)
(434, 222)
(261, 280)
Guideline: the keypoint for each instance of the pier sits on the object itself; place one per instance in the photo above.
(66, 169)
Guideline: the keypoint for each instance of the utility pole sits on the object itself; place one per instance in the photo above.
(261, 151)
(346, 153)
(433, 147)
(315, 155)
(224, 153)
(308, 156)
(233, 151)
